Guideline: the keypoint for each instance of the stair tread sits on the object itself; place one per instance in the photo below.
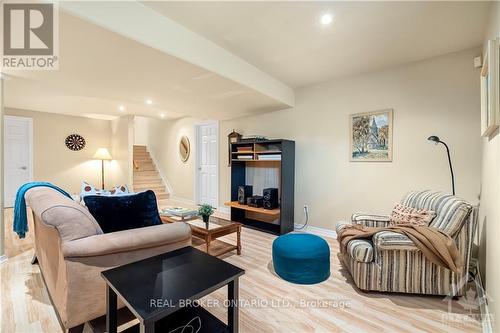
(160, 187)
(146, 176)
(148, 181)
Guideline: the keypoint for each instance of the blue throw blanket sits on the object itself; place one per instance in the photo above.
(20, 217)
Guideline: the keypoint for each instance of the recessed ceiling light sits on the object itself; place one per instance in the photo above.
(121, 108)
(162, 115)
(149, 102)
(326, 19)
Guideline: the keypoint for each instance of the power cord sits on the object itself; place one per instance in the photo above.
(306, 214)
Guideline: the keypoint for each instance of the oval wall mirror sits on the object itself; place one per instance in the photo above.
(184, 149)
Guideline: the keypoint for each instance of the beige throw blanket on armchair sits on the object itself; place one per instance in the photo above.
(436, 246)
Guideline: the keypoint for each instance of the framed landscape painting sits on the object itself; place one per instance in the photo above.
(371, 136)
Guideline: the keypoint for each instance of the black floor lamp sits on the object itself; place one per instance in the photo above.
(437, 141)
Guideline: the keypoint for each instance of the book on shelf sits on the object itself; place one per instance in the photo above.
(239, 149)
(269, 157)
(245, 157)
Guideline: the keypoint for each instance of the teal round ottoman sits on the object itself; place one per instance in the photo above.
(301, 258)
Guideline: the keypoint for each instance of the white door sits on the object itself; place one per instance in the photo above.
(208, 181)
(18, 133)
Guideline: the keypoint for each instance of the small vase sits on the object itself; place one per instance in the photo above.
(205, 219)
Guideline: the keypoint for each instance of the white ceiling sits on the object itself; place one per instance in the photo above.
(286, 40)
(100, 70)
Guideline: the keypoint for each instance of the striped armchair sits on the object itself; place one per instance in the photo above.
(390, 261)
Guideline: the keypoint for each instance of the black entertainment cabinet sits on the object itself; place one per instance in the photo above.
(264, 164)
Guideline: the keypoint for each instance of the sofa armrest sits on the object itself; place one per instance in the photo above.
(393, 241)
(370, 220)
(339, 226)
(126, 240)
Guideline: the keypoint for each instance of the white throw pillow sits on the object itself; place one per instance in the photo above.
(120, 190)
(88, 189)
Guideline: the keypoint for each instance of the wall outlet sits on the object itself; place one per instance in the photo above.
(478, 62)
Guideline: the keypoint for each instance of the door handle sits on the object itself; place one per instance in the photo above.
(23, 168)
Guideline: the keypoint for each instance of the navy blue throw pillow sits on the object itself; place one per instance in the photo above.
(124, 212)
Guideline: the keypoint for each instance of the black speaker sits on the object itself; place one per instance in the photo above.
(255, 201)
(244, 191)
(270, 198)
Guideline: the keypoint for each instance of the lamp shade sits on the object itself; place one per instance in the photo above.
(434, 138)
(102, 154)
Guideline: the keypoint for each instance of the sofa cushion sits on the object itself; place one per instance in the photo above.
(360, 250)
(451, 211)
(409, 215)
(120, 190)
(118, 213)
(88, 189)
(72, 220)
(370, 220)
(388, 240)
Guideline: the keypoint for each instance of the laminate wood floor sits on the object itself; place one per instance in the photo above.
(268, 303)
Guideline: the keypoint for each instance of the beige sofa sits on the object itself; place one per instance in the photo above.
(72, 251)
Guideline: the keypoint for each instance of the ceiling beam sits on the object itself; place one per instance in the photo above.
(144, 25)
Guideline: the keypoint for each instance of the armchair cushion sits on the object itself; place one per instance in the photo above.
(370, 220)
(403, 215)
(451, 211)
(388, 240)
(360, 250)
(118, 213)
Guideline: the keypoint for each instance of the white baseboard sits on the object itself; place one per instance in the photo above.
(309, 229)
(3, 259)
(317, 231)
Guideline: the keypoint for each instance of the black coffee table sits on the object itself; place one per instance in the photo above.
(161, 292)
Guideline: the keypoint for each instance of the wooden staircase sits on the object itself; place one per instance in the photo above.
(146, 177)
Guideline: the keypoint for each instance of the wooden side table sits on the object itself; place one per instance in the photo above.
(217, 228)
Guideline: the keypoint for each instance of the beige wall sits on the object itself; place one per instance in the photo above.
(163, 138)
(141, 130)
(489, 217)
(55, 163)
(121, 151)
(438, 96)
